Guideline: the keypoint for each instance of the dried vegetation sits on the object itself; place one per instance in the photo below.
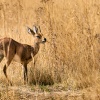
(71, 57)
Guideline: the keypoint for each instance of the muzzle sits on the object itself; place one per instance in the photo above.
(44, 40)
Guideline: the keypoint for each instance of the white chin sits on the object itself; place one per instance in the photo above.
(43, 42)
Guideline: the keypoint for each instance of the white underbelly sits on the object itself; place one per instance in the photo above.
(17, 58)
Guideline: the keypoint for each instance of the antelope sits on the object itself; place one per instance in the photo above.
(22, 53)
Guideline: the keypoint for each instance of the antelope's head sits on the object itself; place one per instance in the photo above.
(37, 36)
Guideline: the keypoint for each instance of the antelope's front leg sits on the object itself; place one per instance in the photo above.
(25, 74)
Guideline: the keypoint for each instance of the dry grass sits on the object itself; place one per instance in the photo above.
(71, 55)
(28, 93)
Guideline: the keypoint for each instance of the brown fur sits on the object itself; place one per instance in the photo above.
(18, 52)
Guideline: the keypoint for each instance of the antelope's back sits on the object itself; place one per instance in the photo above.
(5, 44)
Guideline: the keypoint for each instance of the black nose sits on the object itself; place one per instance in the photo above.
(45, 39)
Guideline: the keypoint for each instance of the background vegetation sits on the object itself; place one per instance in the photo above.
(71, 57)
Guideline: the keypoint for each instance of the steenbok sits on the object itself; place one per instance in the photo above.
(22, 53)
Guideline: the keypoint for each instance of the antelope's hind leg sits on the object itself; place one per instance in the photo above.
(5, 72)
(1, 57)
(9, 59)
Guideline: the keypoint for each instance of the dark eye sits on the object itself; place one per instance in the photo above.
(38, 37)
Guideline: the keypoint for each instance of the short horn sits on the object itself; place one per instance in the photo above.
(39, 29)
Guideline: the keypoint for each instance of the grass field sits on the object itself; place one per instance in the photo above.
(69, 61)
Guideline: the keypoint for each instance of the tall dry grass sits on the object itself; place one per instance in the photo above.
(71, 55)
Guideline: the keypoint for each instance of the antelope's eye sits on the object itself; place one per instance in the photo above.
(38, 37)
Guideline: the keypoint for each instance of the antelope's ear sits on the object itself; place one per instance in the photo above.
(30, 31)
(35, 29)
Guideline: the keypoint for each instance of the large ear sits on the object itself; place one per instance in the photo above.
(30, 31)
(35, 29)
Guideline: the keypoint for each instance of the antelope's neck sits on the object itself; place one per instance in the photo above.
(36, 48)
